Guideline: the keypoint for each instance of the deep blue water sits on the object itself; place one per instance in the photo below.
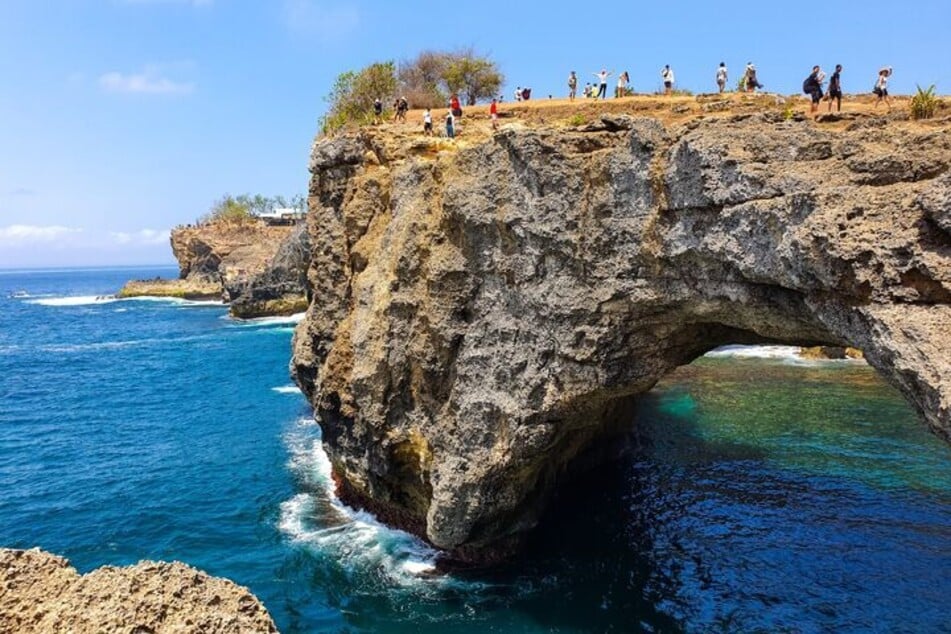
(761, 494)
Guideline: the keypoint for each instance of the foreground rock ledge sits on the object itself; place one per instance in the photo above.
(41, 593)
(483, 312)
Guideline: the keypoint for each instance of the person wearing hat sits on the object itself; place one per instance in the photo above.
(881, 86)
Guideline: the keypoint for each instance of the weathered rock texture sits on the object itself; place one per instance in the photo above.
(41, 593)
(259, 269)
(481, 312)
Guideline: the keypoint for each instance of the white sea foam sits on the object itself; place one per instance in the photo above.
(756, 352)
(90, 300)
(270, 321)
(355, 540)
(80, 300)
(286, 389)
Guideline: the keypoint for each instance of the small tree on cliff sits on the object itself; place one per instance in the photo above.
(472, 76)
(428, 80)
(351, 98)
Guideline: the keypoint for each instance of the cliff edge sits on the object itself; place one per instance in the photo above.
(484, 311)
(42, 593)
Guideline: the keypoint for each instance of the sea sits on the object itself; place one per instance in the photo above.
(760, 492)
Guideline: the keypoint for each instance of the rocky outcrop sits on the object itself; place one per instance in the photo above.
(42, 593)
(258, 268)
(483, 312)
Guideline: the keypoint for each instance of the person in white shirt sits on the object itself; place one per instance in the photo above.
(428, 122)
(881, 86)
(721, 77)
(668, 76)
(621, 90)
(602, 83)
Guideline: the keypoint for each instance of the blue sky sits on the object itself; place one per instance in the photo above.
(122, 118)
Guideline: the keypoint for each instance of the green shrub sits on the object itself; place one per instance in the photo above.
(924, 103)
(577, 120)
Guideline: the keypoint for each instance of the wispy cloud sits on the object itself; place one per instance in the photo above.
(150, 81)
(142, 237)
(22, 192)
(320, 19)
(18, 235)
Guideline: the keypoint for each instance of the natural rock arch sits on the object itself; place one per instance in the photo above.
(479, 314)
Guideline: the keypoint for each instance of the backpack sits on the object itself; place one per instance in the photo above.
(808, 85)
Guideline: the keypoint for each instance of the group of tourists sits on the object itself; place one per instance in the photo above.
(599, 90)
(814, 85)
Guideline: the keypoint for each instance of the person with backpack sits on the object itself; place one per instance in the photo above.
(721, 77)
(835, 88)
(812, 86)
(668, 76)
(572, 86)
(749, 78)
(881, 86)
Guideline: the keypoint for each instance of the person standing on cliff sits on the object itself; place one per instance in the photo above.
(749, 79)
(881, 86)
(450, 125)
(377, 111)
(668, 76)
(572, 86)
(428, 122)
(812, 86)
(602, 83)
(835, 88)
(621, 90)
(494, 114)
(721, 77)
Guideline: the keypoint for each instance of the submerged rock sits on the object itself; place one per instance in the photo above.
(41, 593)
(482, 314)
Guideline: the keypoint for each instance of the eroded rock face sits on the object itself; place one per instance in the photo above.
(259, 269)
(42, 593)
(480, 315)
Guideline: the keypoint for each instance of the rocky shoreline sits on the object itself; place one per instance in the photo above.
(259, 270)
(482, 310)
(41, 593)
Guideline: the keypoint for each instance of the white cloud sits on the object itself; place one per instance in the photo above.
(149, 82)
(18, 235)
(319, 19)
(142, 237)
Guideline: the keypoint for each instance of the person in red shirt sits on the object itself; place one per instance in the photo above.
(494, 114)
(455, 106)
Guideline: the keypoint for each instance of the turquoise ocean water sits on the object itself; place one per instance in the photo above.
(761, 493)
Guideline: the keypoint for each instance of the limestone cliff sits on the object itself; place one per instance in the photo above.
(259, 269)
(483, 311)
(41, 593)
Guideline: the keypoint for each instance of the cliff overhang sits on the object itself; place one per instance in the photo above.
(481, 313)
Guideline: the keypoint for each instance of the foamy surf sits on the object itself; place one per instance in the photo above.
(354, 540)
(756, 352)
(287, 320)
(286, 389)
(80, 300)
(92, 300)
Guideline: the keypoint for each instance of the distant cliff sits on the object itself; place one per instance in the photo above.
(484, 310)
(258, 269)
